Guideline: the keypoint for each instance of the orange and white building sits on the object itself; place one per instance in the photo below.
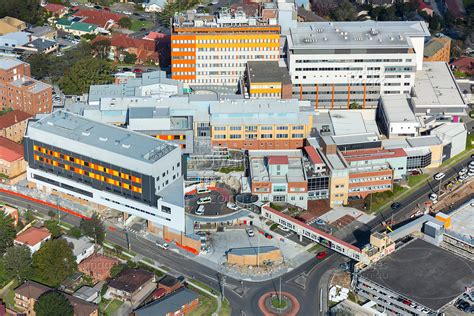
(213, 50)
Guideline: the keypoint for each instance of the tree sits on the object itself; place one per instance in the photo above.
(130, 58)
(101, 48)
(75, 232)
(323, 7)
(345, 12)
(53, 228)
(53, 303)
(17, 262)
(355, 105)
(117, 269)
(29, 11)
(54, 262)
(7, 232)
(125, 23)
(84, 73)
(93, 228)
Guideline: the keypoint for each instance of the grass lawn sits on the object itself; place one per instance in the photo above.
(192, 282)
(230, 169)
(413, 180)
(379, 199)
(113, 306)
(226, 309)
(315, 248)
(470, 141)
(137, 25)
(207, 305)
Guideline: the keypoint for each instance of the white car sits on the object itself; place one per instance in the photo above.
(232, 206)
(162, 245)
(204, 200)
(463, 171)
(200, 210)
(471, 164)
(250, 232)
(433, 197)
(470, 173)
(439, 176)
(283, 228)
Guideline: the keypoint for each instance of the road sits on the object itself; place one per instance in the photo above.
(247, 303)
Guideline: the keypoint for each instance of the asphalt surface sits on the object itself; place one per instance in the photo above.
(247, 303)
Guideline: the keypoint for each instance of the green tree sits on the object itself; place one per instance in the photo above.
(345, 12)
(117, 269)
(17, 262)
(129, 58)
(125, 22)
(53, 303)
(75, 232)
(84, 73)
(101, 48)
(40, 65)
(93, 228)
(54, 262)
(29, 11)
(53, 228)
(7, 232)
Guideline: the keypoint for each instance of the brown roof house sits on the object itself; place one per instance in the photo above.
(13, 125)
(28, 293)
(180, 302)
(33, 237)
(169, 284)
(132, 285)
(98, 266)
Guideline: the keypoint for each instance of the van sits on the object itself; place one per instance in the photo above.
(203, 190)
(439, 176)
(204, 200)
(200, 210)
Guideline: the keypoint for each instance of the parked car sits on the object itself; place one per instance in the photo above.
(283, 228)
(162, 245)
(433, 197)
(320, 222)
(439, 176)
(204, 200)
(396, 206)
(471, 164)
(137, 70)
(200, 210)
(203, 190)
(321, 255)
(250, 232)
(232, 206)
(415, 172)
(463, 171)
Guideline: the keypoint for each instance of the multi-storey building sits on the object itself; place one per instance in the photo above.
(260, 124)
(108, 165)
(350, 64)
(21, 92)
(266, 79)
(213, 50)
(13, 125)
(278, 176)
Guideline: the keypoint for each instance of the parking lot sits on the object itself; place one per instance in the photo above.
(217, 206)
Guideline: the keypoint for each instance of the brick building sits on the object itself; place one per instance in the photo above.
(438, 49)
(98, 266)
(13, 125)
(12, 161)
(21, 92)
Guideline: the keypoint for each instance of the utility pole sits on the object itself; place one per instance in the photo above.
(57, 208)
(223, 277)
(258, 249)
(280, 293)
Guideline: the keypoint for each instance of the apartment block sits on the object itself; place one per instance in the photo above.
(108, 165)
(260, 124)
(278, 176)
(343, 65)
(213, 50)
(21, 92)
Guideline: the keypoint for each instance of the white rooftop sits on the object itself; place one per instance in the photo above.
(397, 109)
(435, 86)
(337, 35)
(7, 63)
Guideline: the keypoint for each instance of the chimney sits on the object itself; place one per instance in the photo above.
(16, 121)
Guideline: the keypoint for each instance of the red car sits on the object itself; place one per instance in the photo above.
(321, 255)
(137, 70)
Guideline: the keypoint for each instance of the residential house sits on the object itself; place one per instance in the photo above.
(438, 49)
(33, 237)
(425, 7)
(76, 28)
(100, 18)
(56, 10)
(145, 50)
(12, 211)
(132, 285)
(153, 5)
(82, 248)
(41, 46)
(169, 284)
(45, 32)
(11, 42)
(9, 25)
(12, 161)
(180, 302)
(464, 64)
(98, 266)
(13, 125)
(28, 293)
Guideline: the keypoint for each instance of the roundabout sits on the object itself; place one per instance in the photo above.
(278, 303)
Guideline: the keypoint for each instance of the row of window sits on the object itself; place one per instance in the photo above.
(226, 41)
(90, 165)
(89, 174)
(371, 188)
(254, 128)
(358, 180)
(254, 136)
(351, 61)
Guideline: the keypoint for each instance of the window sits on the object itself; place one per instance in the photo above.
(166, 209)
(219, 128)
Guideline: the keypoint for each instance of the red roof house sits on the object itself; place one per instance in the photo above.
(57, 10)
(101, 18)
(425, 8)
(278, 160)
(10, 151)
(145, 50)
(464, 64)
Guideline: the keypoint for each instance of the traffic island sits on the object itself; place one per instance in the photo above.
(276, 303)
